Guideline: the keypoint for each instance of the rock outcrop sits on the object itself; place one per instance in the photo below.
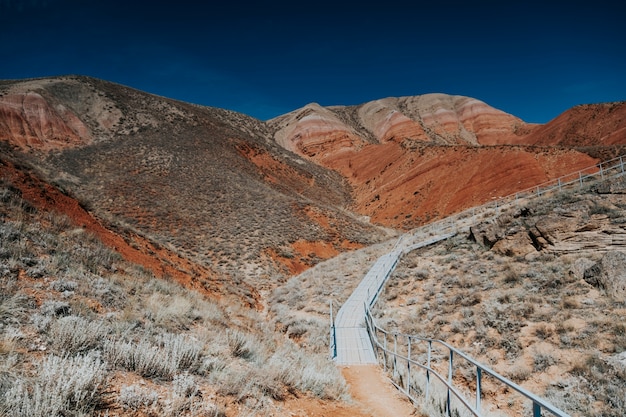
(585, 226)
(609, 274)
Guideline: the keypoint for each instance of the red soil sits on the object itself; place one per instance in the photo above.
(133, 248)
(405, 189)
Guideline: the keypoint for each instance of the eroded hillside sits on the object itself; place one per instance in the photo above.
(414, 159)
(263, 201)
(205, 183)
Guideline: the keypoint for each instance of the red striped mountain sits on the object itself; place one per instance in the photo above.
(411, 159)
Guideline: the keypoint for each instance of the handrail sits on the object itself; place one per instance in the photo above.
(372, 329)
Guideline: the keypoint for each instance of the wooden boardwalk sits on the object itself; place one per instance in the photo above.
(352, 344)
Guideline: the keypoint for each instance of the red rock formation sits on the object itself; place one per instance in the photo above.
(408, 174)
(401, 188)
(585, 125)
(28, 121)
(386, 122)
(458, 119)
(440, 118)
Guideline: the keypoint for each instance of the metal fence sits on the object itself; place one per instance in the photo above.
(416, 365)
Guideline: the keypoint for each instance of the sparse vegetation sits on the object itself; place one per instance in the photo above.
(76, 321)
(531, 318)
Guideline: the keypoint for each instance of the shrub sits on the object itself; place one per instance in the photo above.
(185, 385)
(162, 360)
(74, 334)
(13, 308)
(55, 308)
(543, 331)
(134, 397)
(542, 361)
(174, 312)
(314, 374)
(519, 372)
(63, 285)
(62, 386)
(242, 345)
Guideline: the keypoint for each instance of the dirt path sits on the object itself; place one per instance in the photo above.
(371, 388)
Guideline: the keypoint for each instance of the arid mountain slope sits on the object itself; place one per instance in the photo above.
(397, 153)
(537, 294)
(206, 183)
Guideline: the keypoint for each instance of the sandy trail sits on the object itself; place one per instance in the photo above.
(370, 387)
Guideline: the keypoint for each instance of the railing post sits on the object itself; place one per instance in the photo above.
(385, 350)
(395, 354)
(601, 172)
(621, 164)
(559, 184)
(408, 368)
(536, 410)
(331, 348)
(448, 399)
(430, 347)
(479, 372)
(580, 178)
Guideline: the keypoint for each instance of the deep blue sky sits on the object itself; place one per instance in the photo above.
(529, 59)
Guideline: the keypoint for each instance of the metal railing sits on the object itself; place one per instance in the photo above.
(417, 362)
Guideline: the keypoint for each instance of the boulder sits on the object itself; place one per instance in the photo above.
(517, 244)
(612, 186)
(487, 233)
(580, 266)
(609, 274)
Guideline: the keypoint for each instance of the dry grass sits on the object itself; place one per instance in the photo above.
(76, 322)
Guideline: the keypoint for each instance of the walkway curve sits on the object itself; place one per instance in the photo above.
(352, 343)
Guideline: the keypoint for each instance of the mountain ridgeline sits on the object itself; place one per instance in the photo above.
(257, 202)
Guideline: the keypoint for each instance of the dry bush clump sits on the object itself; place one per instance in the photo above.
(79, 327)
(60, 385)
